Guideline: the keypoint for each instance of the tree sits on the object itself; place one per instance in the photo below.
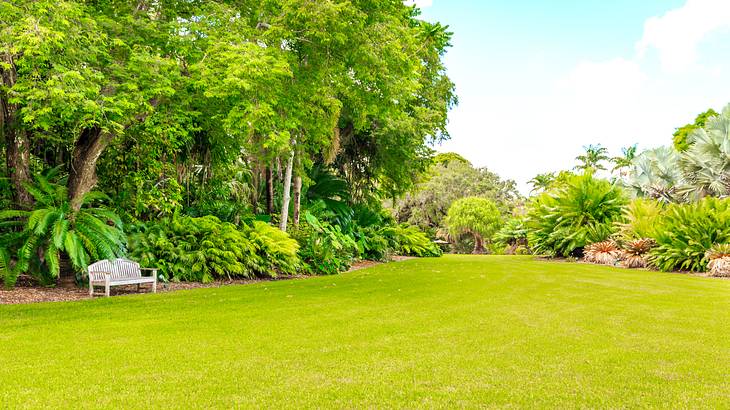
(593, 158)
(680, 136)
(656, 174)
(541, 182)
(475, 216)
(706, 163)
(447, 181)
(625, 160)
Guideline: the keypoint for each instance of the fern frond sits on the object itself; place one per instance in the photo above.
(52, 260)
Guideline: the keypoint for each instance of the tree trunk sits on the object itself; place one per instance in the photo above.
(87, 150)
(17, 143)
(297, 198)
(269, 190)
(287, 188)
(18, 162)
(478, 245)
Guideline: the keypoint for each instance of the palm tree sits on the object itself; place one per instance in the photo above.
(706, 164)
(593, 158)
(541, 182)
(656, 174)
(624, 160)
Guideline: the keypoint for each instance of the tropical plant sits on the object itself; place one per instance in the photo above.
(681, 140)
(593, 158)
(686, 231)
(478, 217)
(640, 220)
(541, 182)
(35, 240)
(635, 253)
(324, 248)
(718, 258)
(203, 249)
(409, 241)
(706, 163)
(513, 235)
(578, 211)
(656, 174)
(604, 253)
(624, 160)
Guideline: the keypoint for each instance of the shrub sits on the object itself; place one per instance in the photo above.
(604, 253)
(640, 220)
(635, 252)
(686, 231)
(718, 258)
(580, 210)
(324, 248)
(203, 249)
(513, 235)
(410, 241)
(33, 241)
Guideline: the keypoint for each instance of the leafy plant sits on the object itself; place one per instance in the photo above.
(202, 249)
(604, 253)
(635, 252)
(718, 258)
(324, 248)
(686, 231)
(513, 234)
(410, 241)
(478, 217)
(580, 210)
(35, 240)
(640, 219)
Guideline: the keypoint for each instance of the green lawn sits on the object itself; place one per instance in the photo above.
(458, 331)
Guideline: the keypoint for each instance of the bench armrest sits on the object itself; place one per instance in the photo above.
(106, 274)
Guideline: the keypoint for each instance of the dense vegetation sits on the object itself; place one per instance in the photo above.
(199, 122)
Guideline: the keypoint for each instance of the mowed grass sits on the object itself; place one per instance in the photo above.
(459, 331)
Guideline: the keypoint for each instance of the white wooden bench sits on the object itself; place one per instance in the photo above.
(108, 273)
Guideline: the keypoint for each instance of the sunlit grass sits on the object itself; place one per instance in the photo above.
(458, 331)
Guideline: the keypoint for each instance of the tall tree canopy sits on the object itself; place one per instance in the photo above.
(167, 104)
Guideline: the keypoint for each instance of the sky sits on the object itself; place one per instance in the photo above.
(539, 79)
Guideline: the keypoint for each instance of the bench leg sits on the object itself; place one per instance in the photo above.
(154, 287)
(107, 289)
(91, 289)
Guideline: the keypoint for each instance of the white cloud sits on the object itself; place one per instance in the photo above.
(422, 4)
(677, 33)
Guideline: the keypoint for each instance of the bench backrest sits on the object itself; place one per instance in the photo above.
(116, 268)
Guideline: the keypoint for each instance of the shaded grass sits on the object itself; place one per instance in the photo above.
(458, 331)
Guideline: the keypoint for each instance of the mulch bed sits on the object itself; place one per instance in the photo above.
(28, 291)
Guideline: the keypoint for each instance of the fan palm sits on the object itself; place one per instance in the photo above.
(38, 237)
(706, 164)
(656, 174)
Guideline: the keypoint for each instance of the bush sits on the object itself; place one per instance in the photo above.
(513, 236)
(324, 248)
(203, 249)
(580, 210)
(686, 231)
(475, 216)
(640, 220)
(410, 241)
(34, 241)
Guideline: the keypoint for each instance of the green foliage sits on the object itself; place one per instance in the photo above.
(37, 239)
(593, 158)
(640, 220)
(580, 211)
(324, 247)
(479, 217)
(409, 241)
(514, 235)
(680, 136)
(686, 231)
(706, 163)
(449, 180)
(185, 248)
